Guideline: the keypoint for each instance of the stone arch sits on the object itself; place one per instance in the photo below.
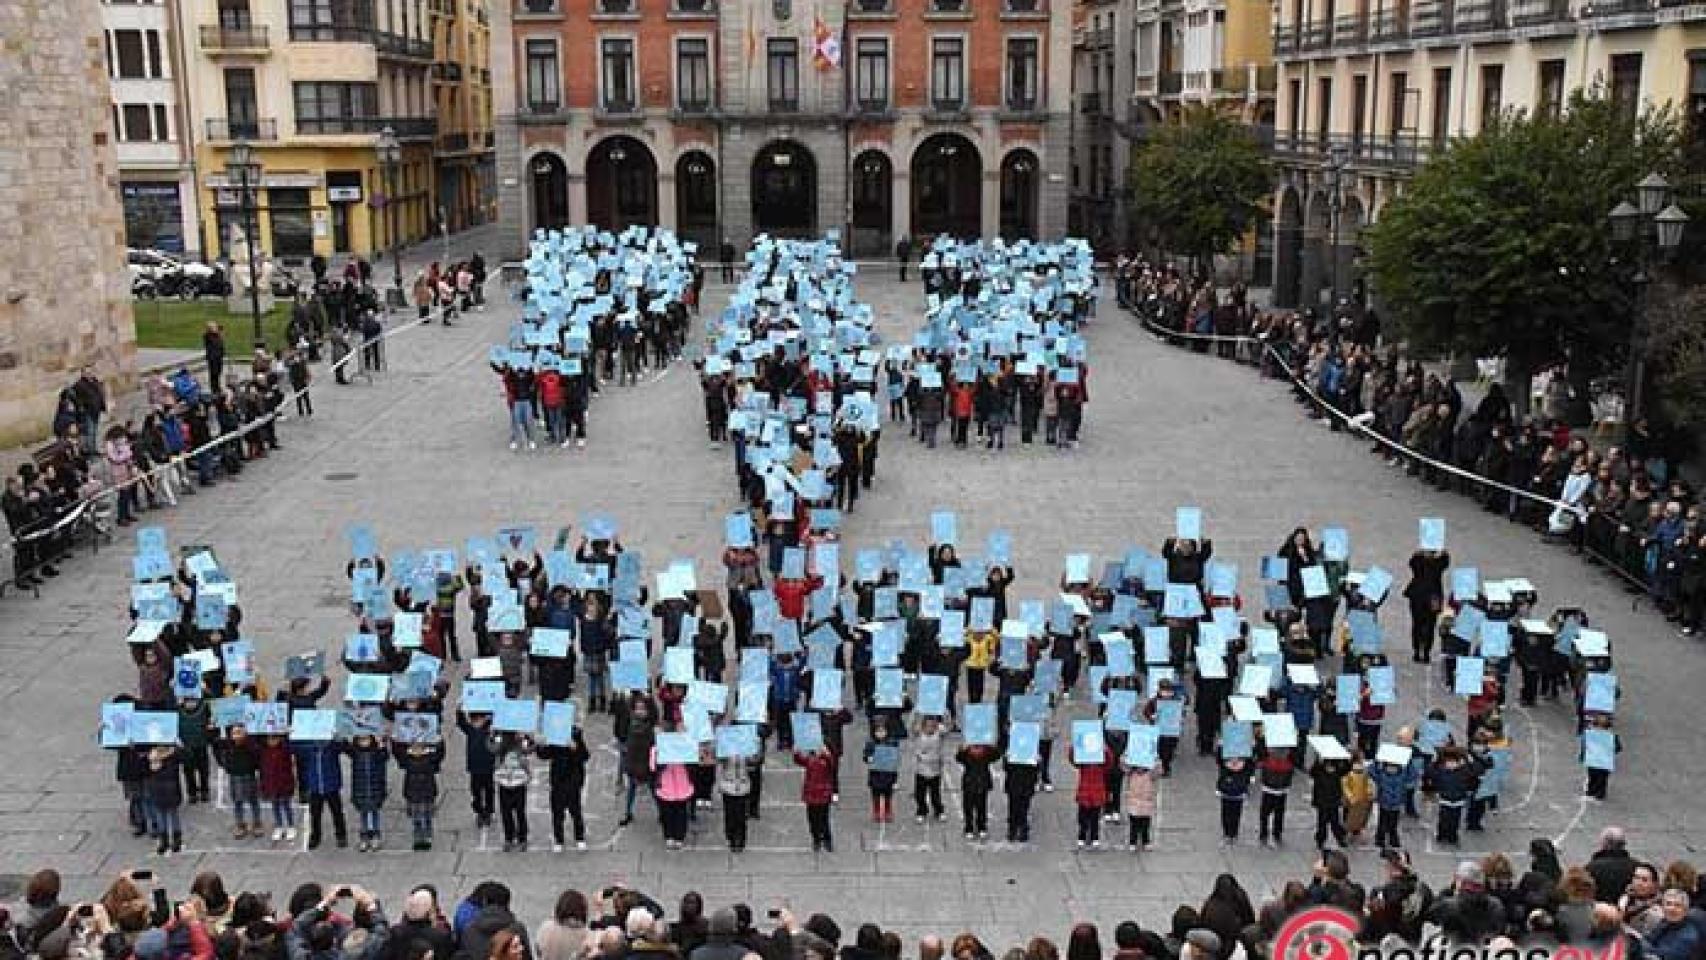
(548, 190)
(947, 186)
(621, 184)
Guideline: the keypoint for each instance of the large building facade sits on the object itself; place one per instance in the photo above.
(310, 86)
(145, 63)
(1368, 88)
(65, 293)
(878, 118)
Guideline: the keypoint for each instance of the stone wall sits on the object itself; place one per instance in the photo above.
(64, 286)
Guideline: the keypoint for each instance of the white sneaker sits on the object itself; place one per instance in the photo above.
(556, 848)
(565, 444)
(532, 446)
(1096, 844)
(580, 844)
(277, 834)
(920, 819)
(1080, 844)
(290, 833)
(513, 445)
(581, 442)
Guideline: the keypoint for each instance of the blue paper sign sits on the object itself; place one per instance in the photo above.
(678, 665)
(549, 642)
(1336, 544)
(1347, 693)
(1467, 626)
(1237, 739)
(979, 723)
(1187, 523)
(210, 611)
(151, 566)
(808, 732)
(944, 527)
(1430, 533)
(885, 644)
(1142, 747)
(1121, 660)
(1465, 584)
(1469, 678)
(1170, 717)
(1314, 581)
(890, 688)
(1024, 743)
(932, 695)
(1366, 638)
(737, 740)
(367, 688)
(362, 544)
(826, 690)
(1077, 568)
(186, 678)
(1599, 749)
(952, 632)
(1495, 639)
(1382, 686)
(1122, 709)
(982, 614)
(1375, 583)
(754, 665)
(737, 531)
(415, 728)
(267, 719)
(885, 758)
(1600, 693)
(1182, 602)
(1089, 746)
(1000, 548)
(1157, 645)
(313, 725)
(751, 702)
(677, 748)
(516, 716)
(115, 724)
(1275, 569)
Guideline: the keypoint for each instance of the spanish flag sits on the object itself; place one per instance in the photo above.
(826, 46)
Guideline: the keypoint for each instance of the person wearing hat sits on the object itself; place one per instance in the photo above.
(1200, 944)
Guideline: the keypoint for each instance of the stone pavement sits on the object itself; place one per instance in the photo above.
(422, 454)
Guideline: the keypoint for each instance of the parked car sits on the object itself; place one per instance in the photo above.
(155, 273)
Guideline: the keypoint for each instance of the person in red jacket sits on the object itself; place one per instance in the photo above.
(960, 403)
(551, 396)
(1092, 795)
(278, 786)
(792, 593)
(817, 792)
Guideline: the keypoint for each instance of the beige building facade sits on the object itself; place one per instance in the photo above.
(1367, 89)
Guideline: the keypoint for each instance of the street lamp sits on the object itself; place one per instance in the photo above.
(390, 156)
(1650, 249)
(1338, 157)
(243, 169)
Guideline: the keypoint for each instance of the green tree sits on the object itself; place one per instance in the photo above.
(1500, 245)
(1675, 353)
(1198, 185)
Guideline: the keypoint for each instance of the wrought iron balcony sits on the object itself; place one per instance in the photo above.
(228, 129)
(219, 38)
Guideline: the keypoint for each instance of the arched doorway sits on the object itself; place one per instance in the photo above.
(1348, 253)
(873, 207)
(550, 191)
(784, 190)
(696, 199)
(1019, 196)
(1288, 250)
(1317, 249)
(947, 187)
(621, 185)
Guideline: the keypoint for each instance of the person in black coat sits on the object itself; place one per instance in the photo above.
(568, 780)
(1426, 593)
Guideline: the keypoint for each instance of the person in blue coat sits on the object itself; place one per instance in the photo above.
(784, 697)
(368, 761)
(320, 771)
(1676, 937)
(1391, 780)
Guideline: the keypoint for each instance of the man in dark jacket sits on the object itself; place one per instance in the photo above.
(722, 945)
(493, 917)
(1611, 865)
(421, 922)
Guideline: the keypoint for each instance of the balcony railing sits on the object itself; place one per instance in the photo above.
(1350, 30)
(1474, 15)
(453, 142)
(784, 104)
(397, 45)
(870, 105)
(1246, 80)
(1018, 104)
(695, 105)
(1285, 38)
(947, 104)
(543, 108)
(338, 31)
(1392, 152)
(1432, 18)
(1616, 8)
(1317, 35)
(1533, 13)
(447, 71)
(225, 129)
(217, 36)
(1096, 39)
(406, 128)
(1390, 26)
(619, 105)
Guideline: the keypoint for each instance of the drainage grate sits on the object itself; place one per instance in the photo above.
(342, 476)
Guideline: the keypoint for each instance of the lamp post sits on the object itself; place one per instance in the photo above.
(1338, 157)
(1651, 229)
(390, 156)
(242, 169)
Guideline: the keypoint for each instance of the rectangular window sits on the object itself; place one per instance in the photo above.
(1626, 83)
(1492, 93)
(543, 78)
(693, 74)
(1396, 121)
(138, 123)
(1295, 121)
(350, 20)
(162, 132)
(1146, 50)
(871, 73)
(323, 107)
(292, 222)
(1551, 100)
(234, 15)
(948, 73)
(783, 74)
(241, 114)
(618, 56)
(1323, 110)
(129, 61)
(156, 68)
(1022, 73)
(1442, 104)
(1696, 118)
(1359, 109)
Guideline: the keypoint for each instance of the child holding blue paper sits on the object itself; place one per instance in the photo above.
(194, 718)
(1232, 786)
(568, 782)
(240, 757)
(817, 791)
(1599, 777)
(1277, 768)
(368, 760)
(927, 770)
(511, 773)
(1138, 795)
(479, 761)
(881, 781)
(278, 785)
(1091, 796)
(163, 796)
(420, 763)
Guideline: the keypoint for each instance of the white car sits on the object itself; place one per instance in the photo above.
(154, 263)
